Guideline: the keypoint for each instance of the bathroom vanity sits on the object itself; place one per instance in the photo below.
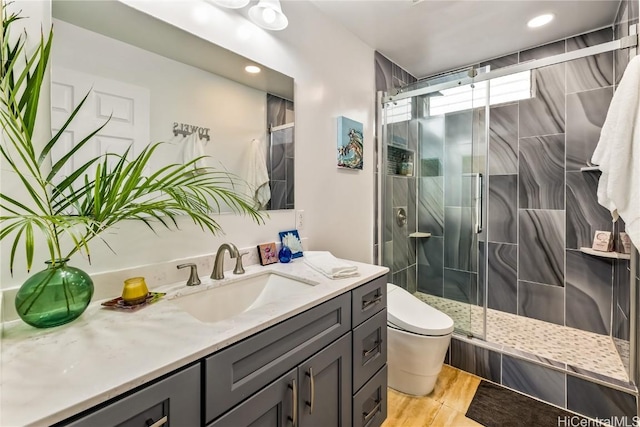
(319, 359)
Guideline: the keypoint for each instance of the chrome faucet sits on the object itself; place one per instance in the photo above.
(218, 265)
(193, 280)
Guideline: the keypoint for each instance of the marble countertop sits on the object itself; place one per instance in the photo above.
(49, 375)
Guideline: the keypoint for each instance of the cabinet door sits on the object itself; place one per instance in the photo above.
(171, 402)
(325, 386)
(273, 406)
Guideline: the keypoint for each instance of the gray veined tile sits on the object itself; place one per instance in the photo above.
(542, 302)
(503, 61)
(431, 265)
(276, 110)
(398, 133)
(544, 114)
(382, 72)
(431, 205)
(622, 286)
(431, 135)
(401, 243)
(534, 380)
(544, 51)
(411, 205)
(400, 278)
(584, 214)
(503, 140)
(458, 181)
(593, 71)
(589, 282)
(598, 401)
(503, 202)
(503, 280)
(387, 208)
(542, 167)
(278, 195)
(541, 246)
(461, 286)
(459, 127)
(586, 112)
(460, 239)
(290, 182)
(479, 361)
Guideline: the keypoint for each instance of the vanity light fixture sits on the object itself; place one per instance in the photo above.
(540, 20)
(231, 4)
(252, 69)
(268, 15)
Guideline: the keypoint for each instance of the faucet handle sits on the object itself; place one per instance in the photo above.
(193, 276)
(239, 269)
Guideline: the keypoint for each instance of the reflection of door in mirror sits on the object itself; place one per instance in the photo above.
(280, 156)
(149, 91)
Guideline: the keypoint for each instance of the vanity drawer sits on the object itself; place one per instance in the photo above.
(368, 299)
(235, 373)
(173, 401)
(369, 348)
(370, 403)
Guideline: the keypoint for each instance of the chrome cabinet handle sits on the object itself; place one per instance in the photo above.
(366, 417)
(375, 348)
(294, 402)
(312, 389)
(367, 304)
(162, 421)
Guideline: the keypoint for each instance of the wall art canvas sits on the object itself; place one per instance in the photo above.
(350, 143)
(292, 240)
(268, 253)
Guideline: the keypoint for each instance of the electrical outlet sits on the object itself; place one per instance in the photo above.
(299, 219)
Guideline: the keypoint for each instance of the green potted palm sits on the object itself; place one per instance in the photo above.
(67, 212)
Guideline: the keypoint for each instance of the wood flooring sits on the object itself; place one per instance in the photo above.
(444, 406)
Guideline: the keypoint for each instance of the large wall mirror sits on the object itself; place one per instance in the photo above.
(160, 83)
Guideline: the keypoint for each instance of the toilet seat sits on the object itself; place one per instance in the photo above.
(408, 313)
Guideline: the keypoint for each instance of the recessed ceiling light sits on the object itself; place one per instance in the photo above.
(540, 20)
(252, 69)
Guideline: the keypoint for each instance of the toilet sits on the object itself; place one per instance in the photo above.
(418, 338)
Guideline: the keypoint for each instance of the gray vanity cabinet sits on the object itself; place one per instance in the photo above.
(273, 406)
(316, 393)
(325, 387)
(171, 402)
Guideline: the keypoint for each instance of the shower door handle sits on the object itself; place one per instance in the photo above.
(478, 202)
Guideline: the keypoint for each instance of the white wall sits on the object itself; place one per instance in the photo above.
(334, 76)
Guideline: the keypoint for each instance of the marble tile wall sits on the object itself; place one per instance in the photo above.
(399, 251)
(540, 204)
(280, 159)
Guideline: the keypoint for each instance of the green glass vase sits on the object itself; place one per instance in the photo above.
(54, 296)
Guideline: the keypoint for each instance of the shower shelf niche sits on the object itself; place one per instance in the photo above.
(419, 235)
(613, 255)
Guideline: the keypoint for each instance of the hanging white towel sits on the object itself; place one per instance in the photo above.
(332, 267)
(258, 175)
(192, 148)
(618, 153)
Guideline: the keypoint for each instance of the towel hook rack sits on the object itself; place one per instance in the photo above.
(186, 129)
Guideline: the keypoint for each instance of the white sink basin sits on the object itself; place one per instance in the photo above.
(241, 295)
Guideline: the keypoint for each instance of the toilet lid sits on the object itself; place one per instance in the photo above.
(412, 315)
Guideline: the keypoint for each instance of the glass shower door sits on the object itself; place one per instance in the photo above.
(445, 136)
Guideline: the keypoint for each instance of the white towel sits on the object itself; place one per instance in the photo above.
(618, 153)
(193, 148)
(258, 175)
(332, 267)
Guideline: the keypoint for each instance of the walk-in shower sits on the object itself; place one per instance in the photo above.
(487, 204)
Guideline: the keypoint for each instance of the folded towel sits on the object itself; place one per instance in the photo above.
(324, 262)
(258, 177)
(618, 153)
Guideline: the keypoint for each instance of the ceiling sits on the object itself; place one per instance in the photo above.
(427, 37)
